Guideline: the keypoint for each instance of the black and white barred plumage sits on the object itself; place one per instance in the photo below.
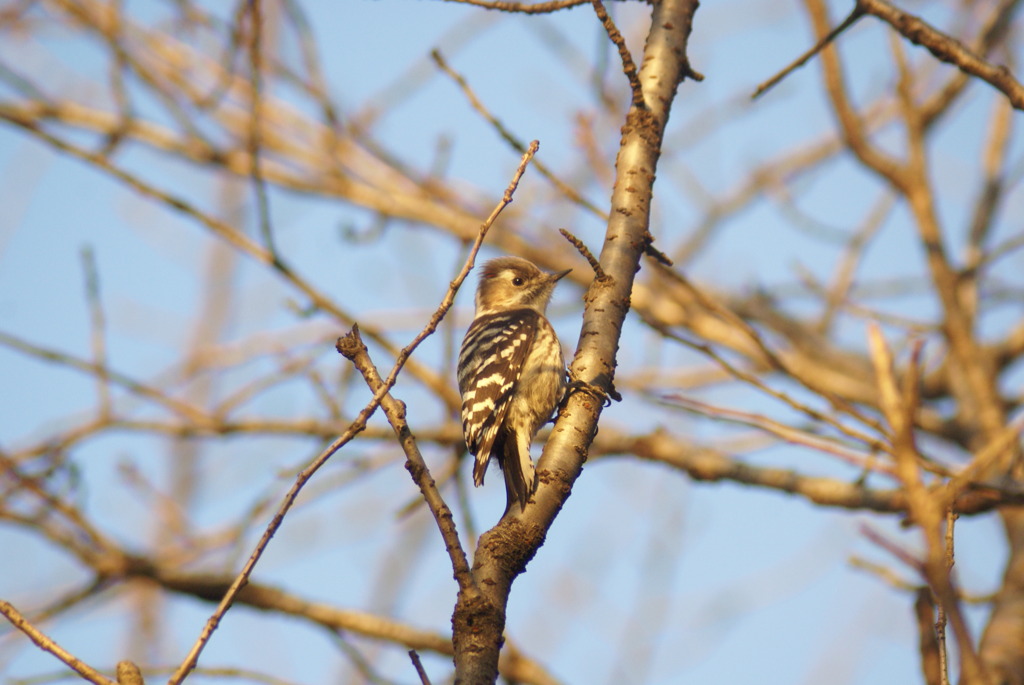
(511, 371)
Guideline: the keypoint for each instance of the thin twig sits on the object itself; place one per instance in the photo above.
(854, 128)
(628, 65)
(892, 548)
(137, 388)
(886, 574)
(226, 74)
(707, 464)
(940, 618)
(654, 253)
(838, 292)
(997, 452)
(511, 138)
(772, 358)
(585, 251)
(98, 337)
(522, 7)
(354, 429)
(424, 679)
(782, 431)
(353, 349)
(233, 237)
(255, 13)
(46, 644)
(856, 14)
(923, 506)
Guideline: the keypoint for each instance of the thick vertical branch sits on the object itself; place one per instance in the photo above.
(505, 550)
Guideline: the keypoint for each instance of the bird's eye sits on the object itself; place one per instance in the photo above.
(517, 281)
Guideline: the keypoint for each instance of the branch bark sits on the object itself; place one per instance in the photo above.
(504, 551)
(83, 669)
(946, 48)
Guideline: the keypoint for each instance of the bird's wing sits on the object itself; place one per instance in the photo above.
(498, 343)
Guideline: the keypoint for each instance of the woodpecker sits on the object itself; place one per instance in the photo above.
(511, 371)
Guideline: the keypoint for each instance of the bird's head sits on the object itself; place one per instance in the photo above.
(514, 283)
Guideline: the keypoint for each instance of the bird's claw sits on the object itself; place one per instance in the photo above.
(605, 397)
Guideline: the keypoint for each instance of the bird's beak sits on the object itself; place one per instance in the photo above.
(560, 275)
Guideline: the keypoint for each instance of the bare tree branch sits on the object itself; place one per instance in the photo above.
(45, 643)
(946, 48)
(504, 551)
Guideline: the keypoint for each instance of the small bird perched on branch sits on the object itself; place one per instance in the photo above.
(511, 371)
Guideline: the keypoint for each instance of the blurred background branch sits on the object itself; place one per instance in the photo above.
(200, 197)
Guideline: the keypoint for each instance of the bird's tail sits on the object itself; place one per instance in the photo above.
(518, 470)
(480, 469)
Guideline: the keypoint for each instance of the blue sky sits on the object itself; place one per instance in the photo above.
(740, 585)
